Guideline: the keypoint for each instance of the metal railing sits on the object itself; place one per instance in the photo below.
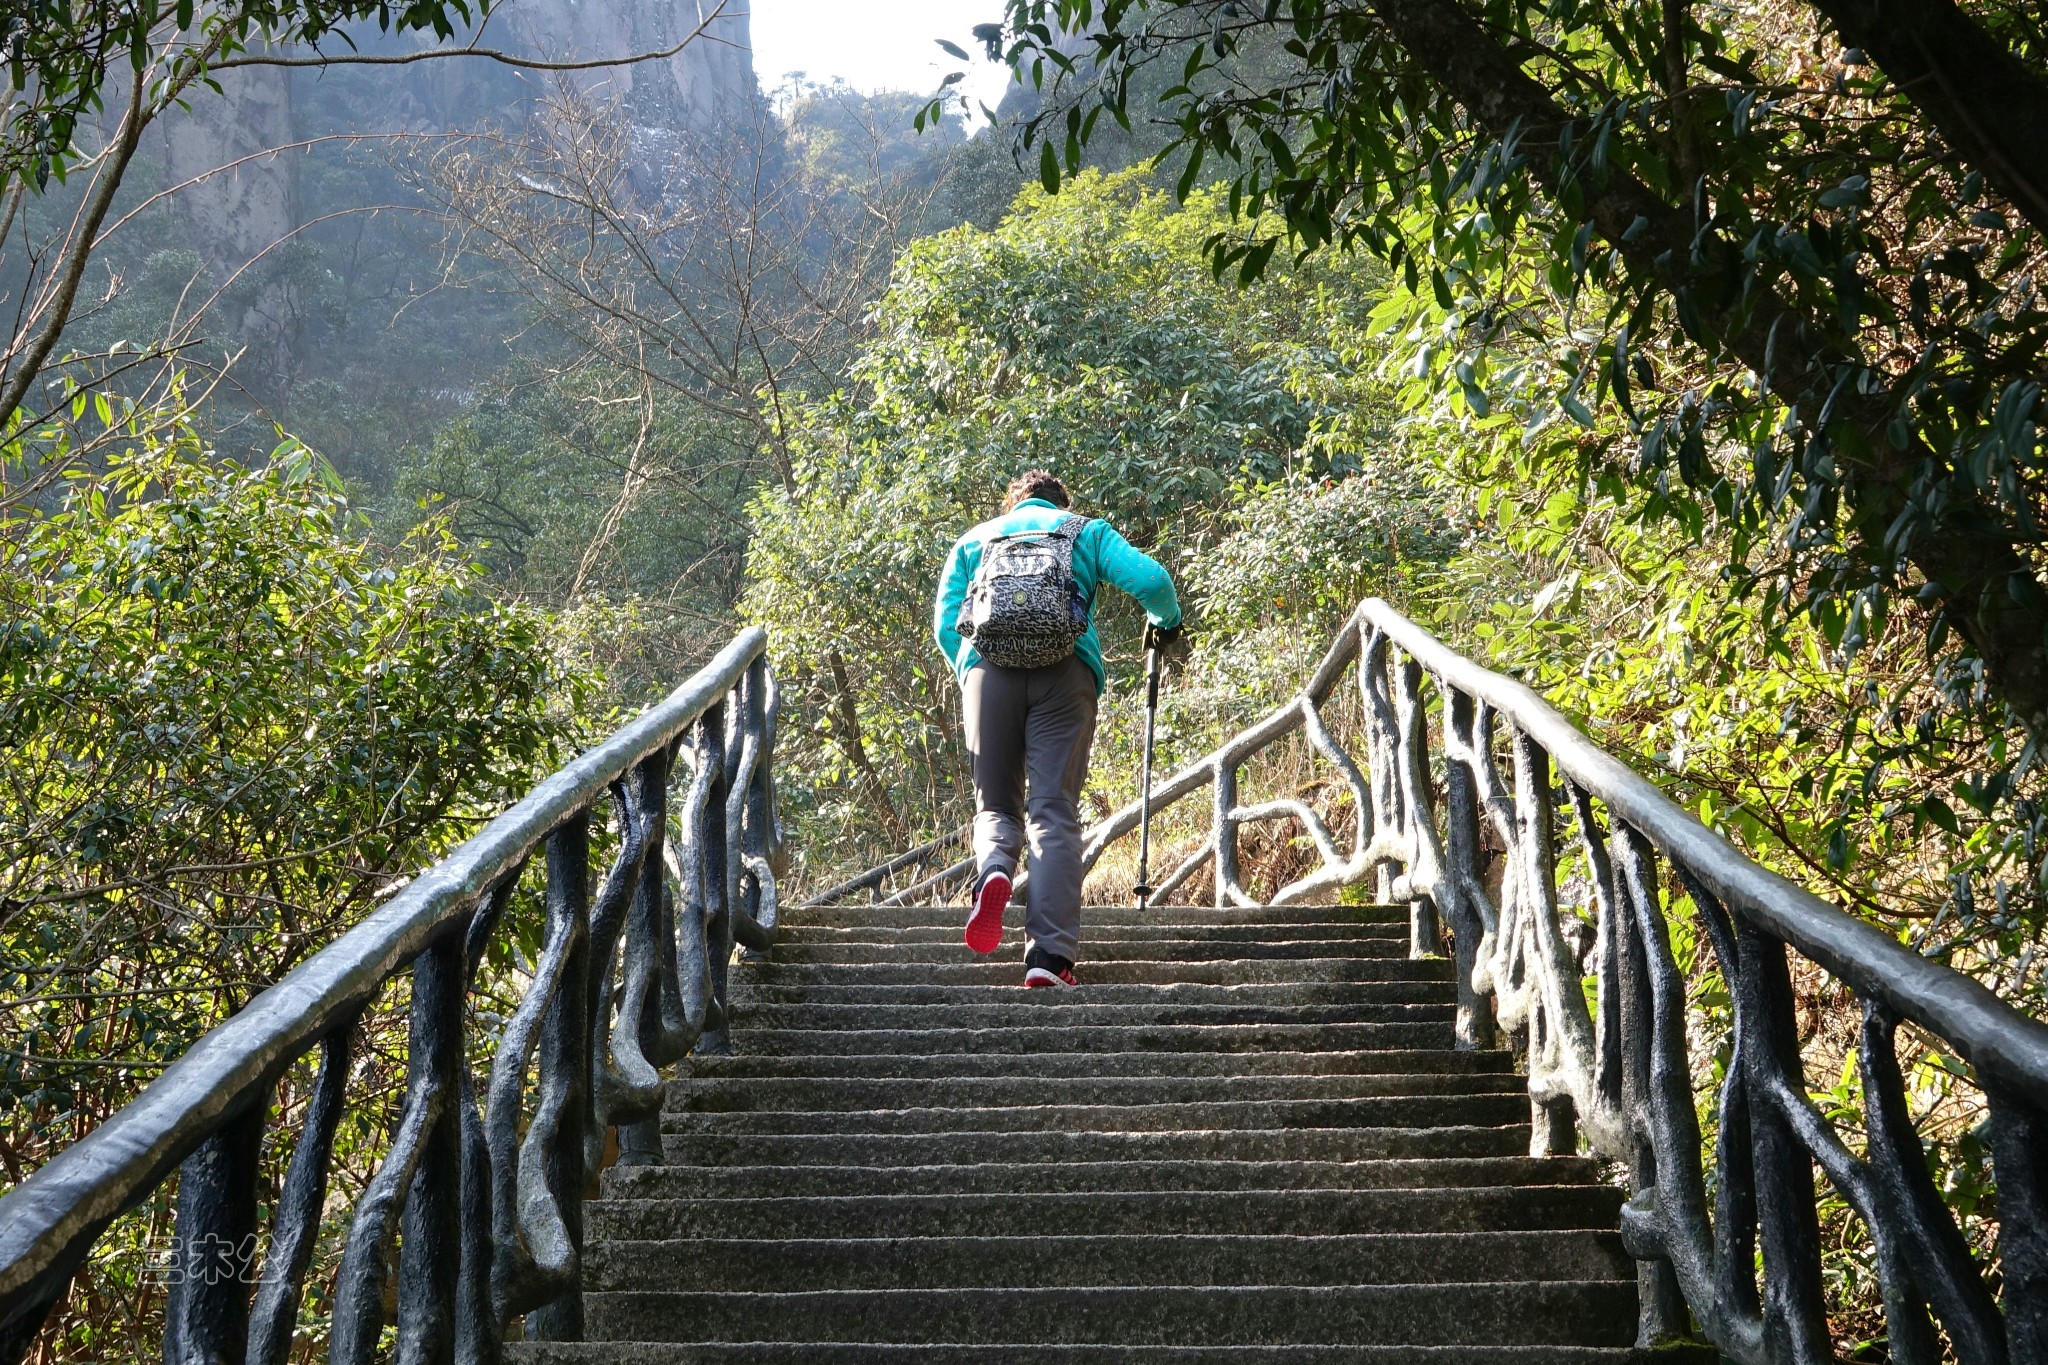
(1618, 1069)
(483, 1202)
(915, 860)
(1611, 1062)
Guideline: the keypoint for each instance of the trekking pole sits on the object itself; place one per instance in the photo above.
(1143, 890)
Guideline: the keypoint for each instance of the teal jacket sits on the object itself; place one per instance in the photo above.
(1100, 555)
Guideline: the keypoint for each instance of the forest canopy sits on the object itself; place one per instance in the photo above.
(1777, 267)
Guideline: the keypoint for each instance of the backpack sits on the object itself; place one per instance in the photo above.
(1024, 608)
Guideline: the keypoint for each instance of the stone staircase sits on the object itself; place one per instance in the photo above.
(1247, 1137)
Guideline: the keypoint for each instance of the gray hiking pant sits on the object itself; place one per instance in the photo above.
(1029, 730)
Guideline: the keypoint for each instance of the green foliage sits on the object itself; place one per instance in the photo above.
(625, 505)
(843, 137)
(1847, 771)
(979, 180)
(1307, 553)
(227, 721)
(1850, 774)
(1740, 271)
(1083, 335)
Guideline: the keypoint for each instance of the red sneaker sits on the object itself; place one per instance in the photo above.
(1047, 969)
(985, 925)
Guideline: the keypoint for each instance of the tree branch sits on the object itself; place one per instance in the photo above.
(1989, 107)
(487, 53)
(30, 363)
(847, 732)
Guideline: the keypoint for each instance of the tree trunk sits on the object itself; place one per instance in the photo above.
(846, 732)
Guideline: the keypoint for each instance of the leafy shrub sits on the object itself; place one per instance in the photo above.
(228, 720)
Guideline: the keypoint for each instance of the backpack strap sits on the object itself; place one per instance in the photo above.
(1068, 527)
(1069, 530)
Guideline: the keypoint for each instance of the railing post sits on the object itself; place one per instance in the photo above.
(565, 1065)
(607, 925)
(1381, 749)
(477, 1331)
(2019, 1154)
(764, 835)
(754, 815)
(1661, 1311)
(1474, 1025)
(663, 1027)
(712, 853)
(18, 1335)
(1225, 834)
(206, 1321)
(743, 889)
(430, 1264)
(1425, 929)
(1552, 1120)
(1933, 1266)
(651, 958)
(1795, 1312)
(295, 1227)
(693, 905)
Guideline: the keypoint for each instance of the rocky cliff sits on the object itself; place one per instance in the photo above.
(235, 214)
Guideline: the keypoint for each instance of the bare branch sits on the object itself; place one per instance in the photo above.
(487, 54)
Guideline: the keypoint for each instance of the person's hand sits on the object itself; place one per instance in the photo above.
(1171, 642)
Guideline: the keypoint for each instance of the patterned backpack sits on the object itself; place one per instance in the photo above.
(1024, 609)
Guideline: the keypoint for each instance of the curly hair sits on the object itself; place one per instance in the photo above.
(1037, 483)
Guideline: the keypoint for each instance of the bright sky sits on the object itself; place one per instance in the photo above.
(876, 44)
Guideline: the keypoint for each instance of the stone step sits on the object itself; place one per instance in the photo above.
(1598, 1312)
(1073, 1009)
(923, 1066)
(1084, 1038)
(1057, 1258)
(1091, 934)
(693, 1148)
(1285, 993)
(760, 1095)
(1093, 952)
(1248, 1137)
(856, 1353)
(1379, 1111)
(964, 970)
(1219, 1212)
(955, 914)
(789, 1182)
